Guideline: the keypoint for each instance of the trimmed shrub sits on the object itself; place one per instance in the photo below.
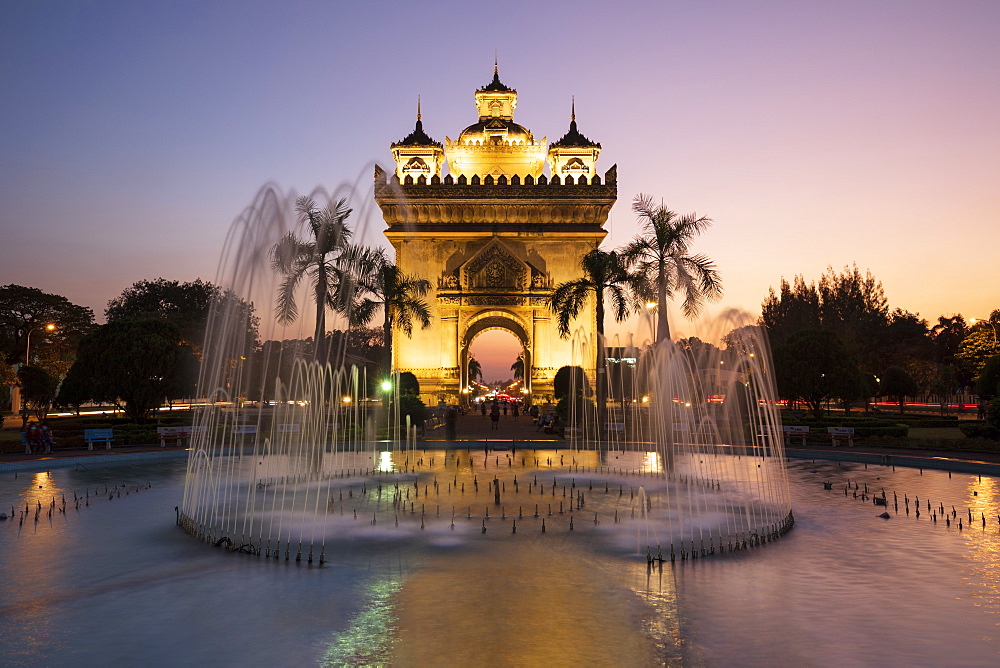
(980, 430)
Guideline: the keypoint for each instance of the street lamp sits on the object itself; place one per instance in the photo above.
(651, 308)
(27, 348)
(993, 325)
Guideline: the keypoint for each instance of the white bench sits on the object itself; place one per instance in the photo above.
(615, 427)
(288, 428)
(788, 431)
(244, 429)
(572, 432)
(841, 434)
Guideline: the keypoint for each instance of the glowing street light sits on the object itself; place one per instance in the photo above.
(27, 348)
(386, 385)
(988, 321)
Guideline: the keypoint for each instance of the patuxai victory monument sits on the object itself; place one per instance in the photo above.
(494, 235)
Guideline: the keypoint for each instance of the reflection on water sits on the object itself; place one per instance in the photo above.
(530, 602)
(372, 632)
(843, 588)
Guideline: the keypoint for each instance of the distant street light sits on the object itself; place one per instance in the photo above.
(27, 348)
(988, 321)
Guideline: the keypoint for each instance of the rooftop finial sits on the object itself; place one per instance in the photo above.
(496, 64)
(418, 107)
(572, 113)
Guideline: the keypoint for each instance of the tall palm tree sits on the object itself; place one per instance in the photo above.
(398, 295)
(321, 258)
(662, 257)
(605, 274)
(518, 368)
(475, 370)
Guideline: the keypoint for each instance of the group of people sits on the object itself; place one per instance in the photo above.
(37, 437)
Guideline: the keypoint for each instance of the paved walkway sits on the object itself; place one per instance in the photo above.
(476, 427)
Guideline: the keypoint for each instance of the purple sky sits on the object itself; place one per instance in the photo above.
(813, 133)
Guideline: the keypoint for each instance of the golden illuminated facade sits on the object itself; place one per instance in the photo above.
(494, 236)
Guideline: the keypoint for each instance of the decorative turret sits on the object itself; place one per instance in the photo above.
(417, 155)
(496, 145)
(574, 155)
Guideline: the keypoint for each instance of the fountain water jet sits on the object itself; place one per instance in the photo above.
(697, 443)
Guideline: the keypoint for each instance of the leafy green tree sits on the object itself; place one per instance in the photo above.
(948, 334)
(980, 345)
(25, 311)
(906, 341)
(399, 296)
(988, 384)
(848, 303)
(794, 308)
(662, 257)
(993, 414)
(605, 274)
(135, 364)
(570, 380)
(325, 259)
(38, 390)
(189, 305)
(814, 366)
(408, 384)
(411, 405)
(897, 382)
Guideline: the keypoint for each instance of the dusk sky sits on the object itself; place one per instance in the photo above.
(813, 133)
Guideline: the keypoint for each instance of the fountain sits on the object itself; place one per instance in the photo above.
(690, 459)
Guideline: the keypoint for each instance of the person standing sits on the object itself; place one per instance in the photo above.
(495, 416)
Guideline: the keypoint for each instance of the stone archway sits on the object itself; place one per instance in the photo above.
(490, 320)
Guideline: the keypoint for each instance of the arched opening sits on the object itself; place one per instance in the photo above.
(496, 350)
(496, 340)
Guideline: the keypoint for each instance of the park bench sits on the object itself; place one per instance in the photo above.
(791, 431)
(570, 432)
(788, 431)
(246, 429)
(177, 434)
(841, 434)
(288, 428)
(92, 436)
(615, 427)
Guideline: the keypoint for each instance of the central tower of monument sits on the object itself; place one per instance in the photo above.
(493, 236)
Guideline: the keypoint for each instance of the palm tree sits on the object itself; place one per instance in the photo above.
(662, 257)
(398, 295)
(604, 274)
(321, 258)
(475, 370)
(518, 368)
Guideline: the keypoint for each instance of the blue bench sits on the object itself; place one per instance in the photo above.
(92, 436)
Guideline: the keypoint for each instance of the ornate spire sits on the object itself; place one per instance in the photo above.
(573, 137)
(495, 85)
(418, 137)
